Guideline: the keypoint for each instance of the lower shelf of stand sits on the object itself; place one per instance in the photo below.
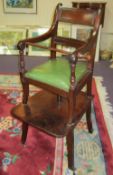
(45, 113)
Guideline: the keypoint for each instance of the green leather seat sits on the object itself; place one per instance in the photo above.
(57, 73)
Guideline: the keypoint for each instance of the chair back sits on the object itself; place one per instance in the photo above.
(74, 16)
(77, 16)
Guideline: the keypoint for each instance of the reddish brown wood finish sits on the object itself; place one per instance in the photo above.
(92, 5)
(44, 112)
(57, 112)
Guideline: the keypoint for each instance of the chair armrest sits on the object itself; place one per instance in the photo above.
(84, 52)
(88, 49)
(23, 43)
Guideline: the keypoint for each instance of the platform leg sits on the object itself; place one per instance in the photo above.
(88, 118)
(70, 149)
(24, 132)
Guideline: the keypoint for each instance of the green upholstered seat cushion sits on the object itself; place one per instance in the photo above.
(56, 73)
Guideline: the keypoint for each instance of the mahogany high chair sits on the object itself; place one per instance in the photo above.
(65, 79)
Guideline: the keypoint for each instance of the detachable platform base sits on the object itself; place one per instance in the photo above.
(44, 112)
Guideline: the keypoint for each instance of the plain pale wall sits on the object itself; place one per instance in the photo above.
(45, 9)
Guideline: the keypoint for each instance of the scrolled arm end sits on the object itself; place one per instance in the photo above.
(72, 58)
(21, 45)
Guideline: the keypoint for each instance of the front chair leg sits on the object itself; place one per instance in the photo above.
(25, 100)
(88, 112)
(25, 92)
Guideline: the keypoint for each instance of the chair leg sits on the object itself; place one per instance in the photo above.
(70, 149)
(88, 112)
(88, 118)
(25, 92)
(25, 100)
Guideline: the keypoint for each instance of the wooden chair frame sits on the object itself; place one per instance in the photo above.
(75, 102)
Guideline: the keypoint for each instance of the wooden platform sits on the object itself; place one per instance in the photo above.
(44, 112)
